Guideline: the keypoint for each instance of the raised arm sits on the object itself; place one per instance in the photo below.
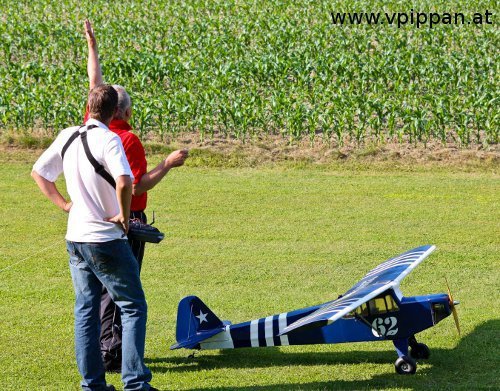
(93, 67)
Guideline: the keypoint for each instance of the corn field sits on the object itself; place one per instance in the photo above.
(247, 68)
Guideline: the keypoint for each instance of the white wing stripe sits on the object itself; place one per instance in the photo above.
(398, 279)
(409, 258)
(387, 268)
(389, 264)
(338, 307)
(411, 255)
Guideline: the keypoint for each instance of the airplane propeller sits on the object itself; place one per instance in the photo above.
(452, 306)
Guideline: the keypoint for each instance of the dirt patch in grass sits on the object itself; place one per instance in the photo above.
(265, 150)
(276, 150)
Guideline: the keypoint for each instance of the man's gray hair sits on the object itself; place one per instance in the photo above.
(124, 101)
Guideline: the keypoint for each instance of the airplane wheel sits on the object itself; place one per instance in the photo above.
(405, 365)
(420, 351)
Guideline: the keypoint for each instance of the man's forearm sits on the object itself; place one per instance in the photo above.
(124, 195)
(93, 66)
(49, 189)
(152, 178)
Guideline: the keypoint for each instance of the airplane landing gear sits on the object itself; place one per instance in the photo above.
(418, 351)
(405, 365)
(409, 350)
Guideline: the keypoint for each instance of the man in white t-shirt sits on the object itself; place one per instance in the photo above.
(96, 238)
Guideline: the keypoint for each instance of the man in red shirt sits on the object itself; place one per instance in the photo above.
(144, 181)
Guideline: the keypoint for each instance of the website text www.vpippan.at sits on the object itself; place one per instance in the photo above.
(412, 18)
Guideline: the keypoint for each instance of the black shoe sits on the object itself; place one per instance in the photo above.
(110, 387)
(153, 389)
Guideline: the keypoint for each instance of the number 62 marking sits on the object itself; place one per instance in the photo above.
(383, 327)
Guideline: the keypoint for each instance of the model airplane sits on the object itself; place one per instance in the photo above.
(372, 310)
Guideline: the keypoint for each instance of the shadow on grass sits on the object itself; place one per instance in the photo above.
(472, 364)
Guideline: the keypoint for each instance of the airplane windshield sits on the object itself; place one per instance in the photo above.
(378, 305)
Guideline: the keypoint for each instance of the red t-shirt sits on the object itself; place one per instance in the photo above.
(135, 155)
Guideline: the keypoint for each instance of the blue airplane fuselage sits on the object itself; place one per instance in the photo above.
(413, 315)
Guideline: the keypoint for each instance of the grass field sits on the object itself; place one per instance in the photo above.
(249, 236)
(257, 241)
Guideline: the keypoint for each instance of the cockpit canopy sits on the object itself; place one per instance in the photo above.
(379, 305)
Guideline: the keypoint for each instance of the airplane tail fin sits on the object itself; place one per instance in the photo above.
(195, 323)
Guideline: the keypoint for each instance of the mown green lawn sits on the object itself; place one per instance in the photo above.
(257, 241)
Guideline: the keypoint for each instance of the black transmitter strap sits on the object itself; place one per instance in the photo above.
(98, 167)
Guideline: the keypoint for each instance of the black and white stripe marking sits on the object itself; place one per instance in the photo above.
(261, 332)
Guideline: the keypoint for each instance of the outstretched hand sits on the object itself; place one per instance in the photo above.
(177, 158)
(89, 33)
(153, 177)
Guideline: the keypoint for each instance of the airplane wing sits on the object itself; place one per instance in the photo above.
(385, 276)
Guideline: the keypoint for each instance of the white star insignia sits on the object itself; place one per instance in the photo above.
(202, 317)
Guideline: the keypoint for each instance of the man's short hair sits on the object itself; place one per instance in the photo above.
(124, 101)
(102, 102)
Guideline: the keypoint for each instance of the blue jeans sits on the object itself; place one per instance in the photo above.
(110, 264)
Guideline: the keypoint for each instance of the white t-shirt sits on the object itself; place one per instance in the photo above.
(93, 198)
